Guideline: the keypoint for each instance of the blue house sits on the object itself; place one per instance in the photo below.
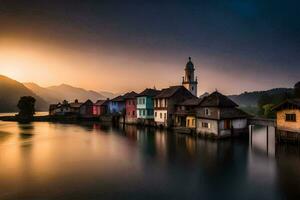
(116, 105)
(145, 104)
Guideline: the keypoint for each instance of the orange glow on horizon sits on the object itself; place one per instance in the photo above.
(49, 63)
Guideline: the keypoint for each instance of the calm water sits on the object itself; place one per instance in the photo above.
(94, 161)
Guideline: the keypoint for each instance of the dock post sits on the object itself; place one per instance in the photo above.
(251, 135)
(267, 140)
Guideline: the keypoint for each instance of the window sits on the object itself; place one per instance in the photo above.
(205, 125)
(165, 115)
(155, 114)
(133, 113)
(188, 122)
(193, 122)
(207, 112)
(143, 101)
(140, 112)
(143, 112)
(290, 117)
(160, 115)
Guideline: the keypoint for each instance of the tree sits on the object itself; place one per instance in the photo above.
(263, 100)
(297, 90)
(268, 112)
(26, 107)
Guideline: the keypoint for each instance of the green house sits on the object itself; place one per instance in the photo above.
(145, 104)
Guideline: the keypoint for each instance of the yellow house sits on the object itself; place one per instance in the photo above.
(185, 114)
(288, 120)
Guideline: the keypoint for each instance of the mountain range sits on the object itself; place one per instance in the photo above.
(250, 99)
(11, 91)
(54, 94)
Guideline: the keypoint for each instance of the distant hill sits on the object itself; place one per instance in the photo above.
(54, 94)
(250, 99)
(10, 93)
(48, 95)
(109, 94)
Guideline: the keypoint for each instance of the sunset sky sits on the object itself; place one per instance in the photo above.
(236, 45)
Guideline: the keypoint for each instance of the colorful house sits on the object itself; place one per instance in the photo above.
(100, 107)
(130, 107)
(116, 105)
(165, 104)
(288, 120)
(185, 114)
(145, 104)
(218, 116)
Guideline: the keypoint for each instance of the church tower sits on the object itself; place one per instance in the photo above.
(189, 81)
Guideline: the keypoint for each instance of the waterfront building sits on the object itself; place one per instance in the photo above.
(288, 120)
(117, 105)
(130, 107)
(86, 109)
(145, 104)
(65, 108)
(189, 81)
(218, 116)
(100, 107)
(185, 115)
(75, 106)
(164, 104)
(54, 109)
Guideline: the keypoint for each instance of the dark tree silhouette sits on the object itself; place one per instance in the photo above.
(26, 107)
(297, 90)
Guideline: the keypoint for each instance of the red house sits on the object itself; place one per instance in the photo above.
(130, 107)
(100, 107)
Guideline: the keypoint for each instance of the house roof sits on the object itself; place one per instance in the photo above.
(88, 102)
(130, 95)
(217, 99)
(295, 102)
(193, 101)
(118, 98)
(149, 92)
(232, 113)
(168, 92)
(101, 102)
(75, 105)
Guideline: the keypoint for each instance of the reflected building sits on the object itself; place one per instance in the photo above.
(288, 165)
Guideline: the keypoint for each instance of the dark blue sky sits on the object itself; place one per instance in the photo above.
(253, 43)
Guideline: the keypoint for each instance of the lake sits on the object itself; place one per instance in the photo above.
(45, 160)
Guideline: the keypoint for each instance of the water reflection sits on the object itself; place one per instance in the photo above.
(288, 165)
(26, 130)
(96, 160)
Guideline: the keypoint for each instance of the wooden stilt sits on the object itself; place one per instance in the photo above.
(251, 135)
(267, 139)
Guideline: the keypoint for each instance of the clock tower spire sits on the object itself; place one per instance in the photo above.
(189, 81)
